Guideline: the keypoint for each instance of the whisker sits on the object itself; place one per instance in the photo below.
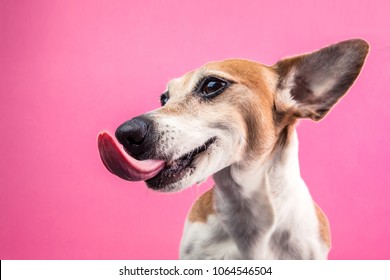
(220, 196)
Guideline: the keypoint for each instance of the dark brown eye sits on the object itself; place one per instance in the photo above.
(164, 98)
(212, 86)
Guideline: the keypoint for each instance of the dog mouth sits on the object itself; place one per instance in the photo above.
(175, 170)
(157, 173)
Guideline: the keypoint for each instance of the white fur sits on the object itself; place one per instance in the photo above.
(198, 233)
(293, 207)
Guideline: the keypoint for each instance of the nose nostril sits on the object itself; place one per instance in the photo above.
(132, 134)
(133, 140)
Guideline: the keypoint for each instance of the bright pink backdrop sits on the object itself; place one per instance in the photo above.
(69, 69)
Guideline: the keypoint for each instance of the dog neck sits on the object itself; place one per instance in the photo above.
(258, 200)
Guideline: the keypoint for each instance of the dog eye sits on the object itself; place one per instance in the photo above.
(212, 86)
(164, 98)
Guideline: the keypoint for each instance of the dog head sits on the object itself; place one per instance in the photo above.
(228, 112)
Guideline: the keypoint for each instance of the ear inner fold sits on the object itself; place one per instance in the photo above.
(316, 81)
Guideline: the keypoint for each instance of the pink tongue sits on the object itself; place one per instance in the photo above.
(118, 162)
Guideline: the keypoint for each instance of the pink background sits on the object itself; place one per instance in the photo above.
(69, 69)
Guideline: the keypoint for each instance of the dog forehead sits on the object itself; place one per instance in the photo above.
(239, 70)
(246, 72)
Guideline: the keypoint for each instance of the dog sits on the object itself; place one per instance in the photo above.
(235, 120)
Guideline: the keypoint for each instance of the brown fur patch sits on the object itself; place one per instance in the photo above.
(246, 72)
(324, 226)
(202, 208)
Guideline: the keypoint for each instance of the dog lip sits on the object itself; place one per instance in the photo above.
(192, 154)
(175, 170)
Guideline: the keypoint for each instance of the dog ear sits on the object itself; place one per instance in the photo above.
(316, 81)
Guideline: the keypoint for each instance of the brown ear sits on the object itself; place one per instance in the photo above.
(316, 81)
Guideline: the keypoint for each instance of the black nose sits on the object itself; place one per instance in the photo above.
(133, 133)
